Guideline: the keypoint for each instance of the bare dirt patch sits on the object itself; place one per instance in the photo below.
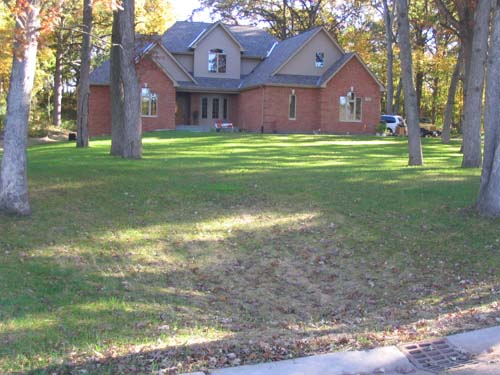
(51, 137)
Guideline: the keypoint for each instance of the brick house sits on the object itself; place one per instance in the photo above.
(197, 74)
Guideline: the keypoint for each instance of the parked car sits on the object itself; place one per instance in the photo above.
(393, 122)
(427, 128)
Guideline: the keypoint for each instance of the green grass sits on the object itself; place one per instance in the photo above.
(217, 240)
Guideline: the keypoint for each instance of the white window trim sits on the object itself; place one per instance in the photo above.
(201, 107)
(295, 106)
(225, 100)
(149, 103)
(361, 112)
(321, 64)
(218, 108)
(216, 60)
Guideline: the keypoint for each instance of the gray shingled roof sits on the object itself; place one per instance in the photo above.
(255, 42)
(207, 83)
(334, 68)
(281, 53)
(100, 75)
(292, 79)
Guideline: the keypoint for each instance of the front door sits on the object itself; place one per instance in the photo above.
(214, 108)
(182, 108)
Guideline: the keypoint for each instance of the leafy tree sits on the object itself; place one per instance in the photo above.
(66, 49)
(450, 102)
(153, 16)
(423, 20)
(414, 145)
(489, 198)
(285, 18)
(473, 107)
(465, 20)
(13, 175)
(84, 84)
(125, 90)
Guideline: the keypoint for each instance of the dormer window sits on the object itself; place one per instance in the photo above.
(320, 59)
(216, 61)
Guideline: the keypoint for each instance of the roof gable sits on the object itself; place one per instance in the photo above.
(169, 64)
(183, 34)
(303, 59)
(337, 67)
(310, 36)
(204, 34)
(278, 56)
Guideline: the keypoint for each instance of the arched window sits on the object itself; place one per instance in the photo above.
(149, 102)
(216, 61)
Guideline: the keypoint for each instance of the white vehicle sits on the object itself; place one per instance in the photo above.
(392, 122)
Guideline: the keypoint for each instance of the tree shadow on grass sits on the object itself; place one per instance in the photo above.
(245, 242)
(305, 287)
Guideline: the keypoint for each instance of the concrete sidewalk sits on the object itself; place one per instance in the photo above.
(484, 344)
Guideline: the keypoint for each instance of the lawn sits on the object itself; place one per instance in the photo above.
(224, 249)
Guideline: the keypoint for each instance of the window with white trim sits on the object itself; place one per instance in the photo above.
(224, 109)
(204, 107)
(215, 108)
(292, 110)
(149, 102)
(350, 108)
(216, 61)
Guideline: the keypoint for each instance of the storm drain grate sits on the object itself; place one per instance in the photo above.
(436, 355)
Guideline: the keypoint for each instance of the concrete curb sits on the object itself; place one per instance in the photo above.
(384, 360)
(479, 341)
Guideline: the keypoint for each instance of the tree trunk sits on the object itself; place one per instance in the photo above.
(390, 59)
(397, 98)
(489, 194)
(435, 93)
(82, 121)
(13, 175)
(475, 85)
(56, 115)
(414, 146)
(419, 83)
(125, 89)
(450, 102)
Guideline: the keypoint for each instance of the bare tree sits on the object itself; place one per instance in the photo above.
(13, 175)
(125, 89)
(489, 194)
(473, 107)
(82, 121)
(411, 108)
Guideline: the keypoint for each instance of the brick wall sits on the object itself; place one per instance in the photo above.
(353, 74)
(316, 109)
(156, 80)
(249, 105)
(277, 106)
(250, 110)
(99, 111)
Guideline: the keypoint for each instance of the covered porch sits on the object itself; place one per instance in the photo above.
(199, 111)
